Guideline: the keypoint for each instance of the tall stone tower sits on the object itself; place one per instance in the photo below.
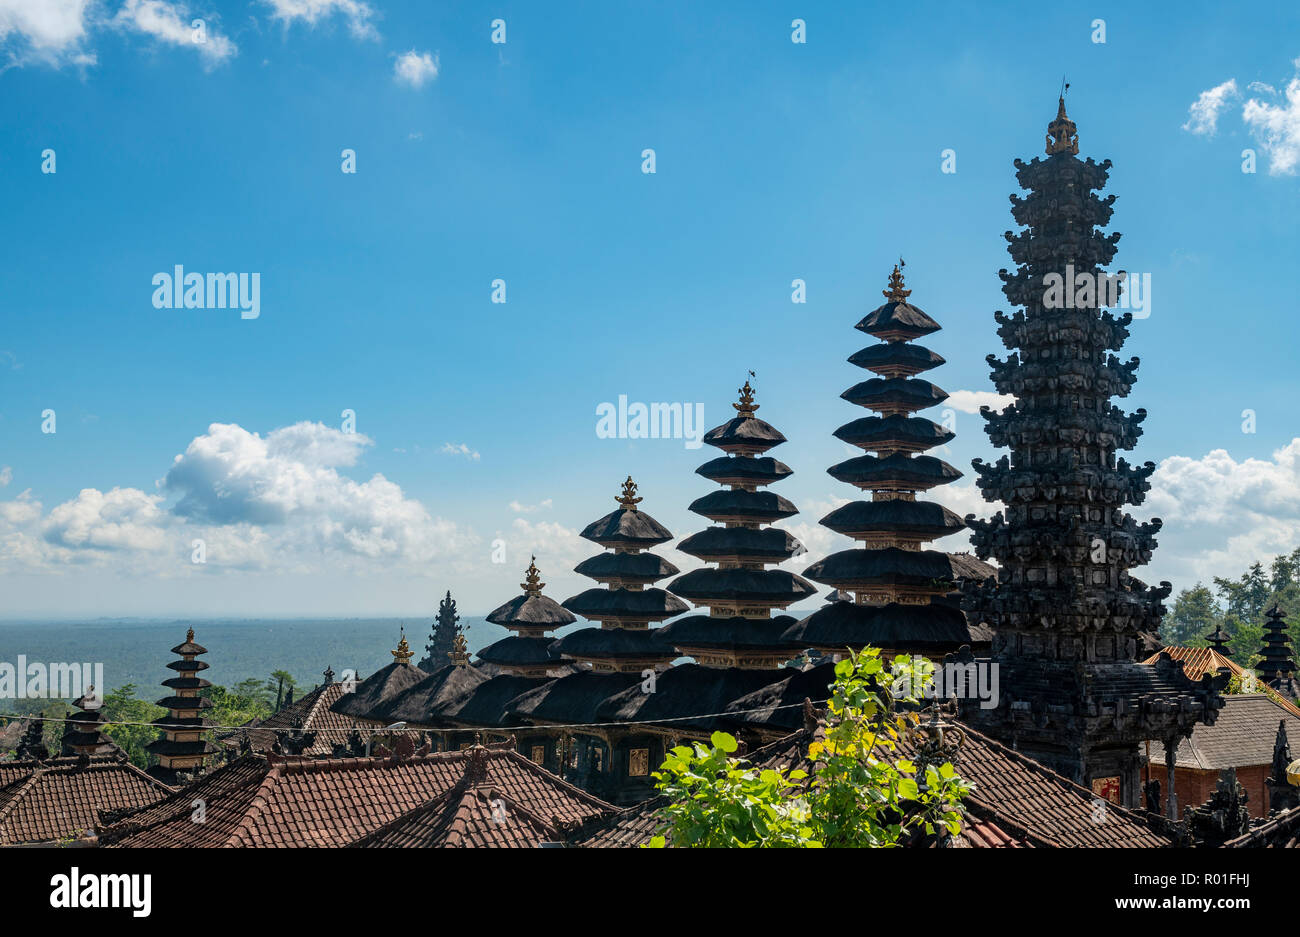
(442, 639)
(1068, 616)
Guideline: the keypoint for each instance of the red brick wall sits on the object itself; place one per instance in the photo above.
(1194, 787)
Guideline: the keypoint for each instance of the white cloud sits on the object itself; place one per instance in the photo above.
(1221, 515)
(1273, 123)
(450, 448)
(1204, 112)
(529, 508)
(48, 31)
(121, 519)
(172, 24)
(970, 401)
(273, 503)
(311, 12)
(415, 69)
(1276, 128)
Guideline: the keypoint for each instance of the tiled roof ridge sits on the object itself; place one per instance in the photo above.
(556, 781)
(122, 827)
(15, 793)
(241, 835)
(1047, 774)
(553, 826)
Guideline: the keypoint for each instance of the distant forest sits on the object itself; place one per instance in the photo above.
(1238, 606)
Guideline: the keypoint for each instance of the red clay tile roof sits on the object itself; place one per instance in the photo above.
(1198, 661)
(470, 816)
(312, 712)
(274, 801)
(626, 829)
(62, 799)
(1016, 802)
(1243, 735)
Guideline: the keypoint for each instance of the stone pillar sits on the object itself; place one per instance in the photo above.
(1171, 760)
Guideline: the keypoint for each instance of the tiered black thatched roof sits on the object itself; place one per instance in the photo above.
(740, 589)
(896, 588)
(531, 616)
(177, 752)
(1278, 669)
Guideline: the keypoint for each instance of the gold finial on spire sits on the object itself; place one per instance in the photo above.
(459, 654)
(532, 583)
(628, 498)
(1062, 135)
(896, 293)
(403, 652)
(746, 407)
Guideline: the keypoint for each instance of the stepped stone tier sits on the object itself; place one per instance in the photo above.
(891, 593)
(442, 640)
(1277, 669)
(621, 653)
(183, 748)
(84, 731)
(739, 590)
(1069, 618)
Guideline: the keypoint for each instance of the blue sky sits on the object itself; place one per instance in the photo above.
(522, 162)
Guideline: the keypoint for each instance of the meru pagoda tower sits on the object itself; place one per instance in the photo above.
(1068, 617)
(621, 652)
(184, 748)
(740, 592)
(904, 598)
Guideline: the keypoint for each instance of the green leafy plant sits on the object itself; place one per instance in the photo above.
(863, 791)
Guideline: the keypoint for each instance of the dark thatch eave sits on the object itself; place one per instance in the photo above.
(897, 317)
(615, 643)
(532, 610)
(639, 567)
(713, 542)
(776, 585)
(417, 702)
(735, 633)
(762, 471)
(894, 566)
(687, 696)
(938, 626)
(870, 431)
(520, 651)
(572, 699)
(626, 528)
(758, 505)
(745, 431)
(865, 469)
(912, 392)
(896, 354)
(914, 517)
(656, 604)
(377, 689)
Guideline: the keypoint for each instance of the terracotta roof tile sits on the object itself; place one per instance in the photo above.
(62, 799)
(272, 801)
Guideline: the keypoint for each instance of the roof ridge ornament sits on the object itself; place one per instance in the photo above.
(532, 583)
(628, 498)
(896, 293)
(746, 406)
(1062, 135)
(402, 654)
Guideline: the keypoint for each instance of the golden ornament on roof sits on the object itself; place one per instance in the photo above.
(896, 293)
(532, 583)
(628, 498)
(746, 407)
(403, 653)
